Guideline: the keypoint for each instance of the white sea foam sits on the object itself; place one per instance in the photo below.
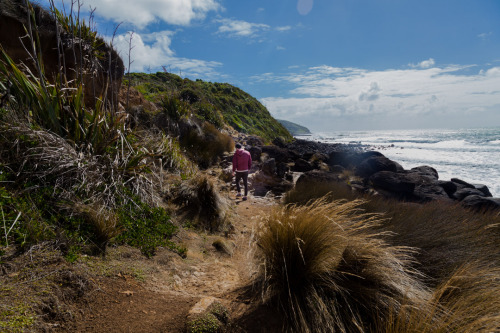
(472, 154)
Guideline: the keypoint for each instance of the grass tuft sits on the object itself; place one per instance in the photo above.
(328, 273)
(200, 201)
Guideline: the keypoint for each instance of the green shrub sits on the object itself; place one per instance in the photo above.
(145, 227)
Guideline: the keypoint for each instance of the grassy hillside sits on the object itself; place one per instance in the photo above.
(293, 128)
(218, 103)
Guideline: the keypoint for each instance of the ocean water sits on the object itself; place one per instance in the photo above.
(472, 155)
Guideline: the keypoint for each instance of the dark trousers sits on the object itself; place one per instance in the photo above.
(244, 176)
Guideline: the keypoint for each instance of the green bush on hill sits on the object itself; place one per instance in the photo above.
(217, 103)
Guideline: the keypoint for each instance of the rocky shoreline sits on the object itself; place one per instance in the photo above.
(279, 166)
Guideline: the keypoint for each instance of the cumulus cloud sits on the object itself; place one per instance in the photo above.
(141, 13)
(424, 64)
(152, 51)
(325, 96)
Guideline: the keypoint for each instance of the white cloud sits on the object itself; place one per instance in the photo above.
(143, 12)
(485, 35)
(152, 51)
(424, 64)
(239, 28)
(284, 28)
(324, 97)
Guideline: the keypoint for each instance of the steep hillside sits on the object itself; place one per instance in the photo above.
(293, 128)
(218, 103)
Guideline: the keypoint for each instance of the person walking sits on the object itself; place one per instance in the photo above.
(242, 162)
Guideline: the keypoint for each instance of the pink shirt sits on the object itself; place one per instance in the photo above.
(242, 160)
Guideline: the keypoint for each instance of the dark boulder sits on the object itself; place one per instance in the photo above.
(480, 203)
(269, 167)
(279, 154)
(278, 141)
(282, 169)
(462, 183)
(449, 187)
(315, 177)
(396, 183)
(484, 189)
(337, 169)
(302, 166)
(255, 152)
(426, 170)
(465, 192)
(374, 164)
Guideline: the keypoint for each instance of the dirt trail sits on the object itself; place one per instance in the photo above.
(170, 285)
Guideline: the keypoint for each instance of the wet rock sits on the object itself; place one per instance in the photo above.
(279, 154)
(393, 182)
(426, 170)
(269, 167)
(462, 183)
(481, 203)
(465, 192)
(449, 187)
(282, 169)
(255, 152)
(484, 189)
(374, 164)
(302, 166)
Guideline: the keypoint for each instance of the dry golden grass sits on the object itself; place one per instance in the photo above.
(328, 272)
(445, 235)
(206, 144)
(200, 201)
(468, 301)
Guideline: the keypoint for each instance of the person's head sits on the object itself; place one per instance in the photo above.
(238, 146)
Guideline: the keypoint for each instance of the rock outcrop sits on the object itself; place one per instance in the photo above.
(320, 163)
(97, 62)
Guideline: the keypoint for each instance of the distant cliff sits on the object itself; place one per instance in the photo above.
(294, 129)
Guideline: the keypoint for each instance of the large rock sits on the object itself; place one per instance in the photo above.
(255, 152)
(426, 170)
(302, 166)
(449, 187)
(315, 177)
(484, 189)
(465, 192)
(269, 167)
(395, 183)
(78, 55)
(462, 183)
(262, 183)
(279, 154)
(480, 203)
(374, 164)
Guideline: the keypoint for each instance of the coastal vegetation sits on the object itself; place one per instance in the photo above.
(221, 104)
(81, 176)
(293, 128)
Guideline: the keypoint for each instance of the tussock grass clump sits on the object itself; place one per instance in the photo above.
(200, 200)
(467, 301)
(205, 143)
(328, 273)
(446, 235)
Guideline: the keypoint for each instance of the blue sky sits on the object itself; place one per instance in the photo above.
(327, 64)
